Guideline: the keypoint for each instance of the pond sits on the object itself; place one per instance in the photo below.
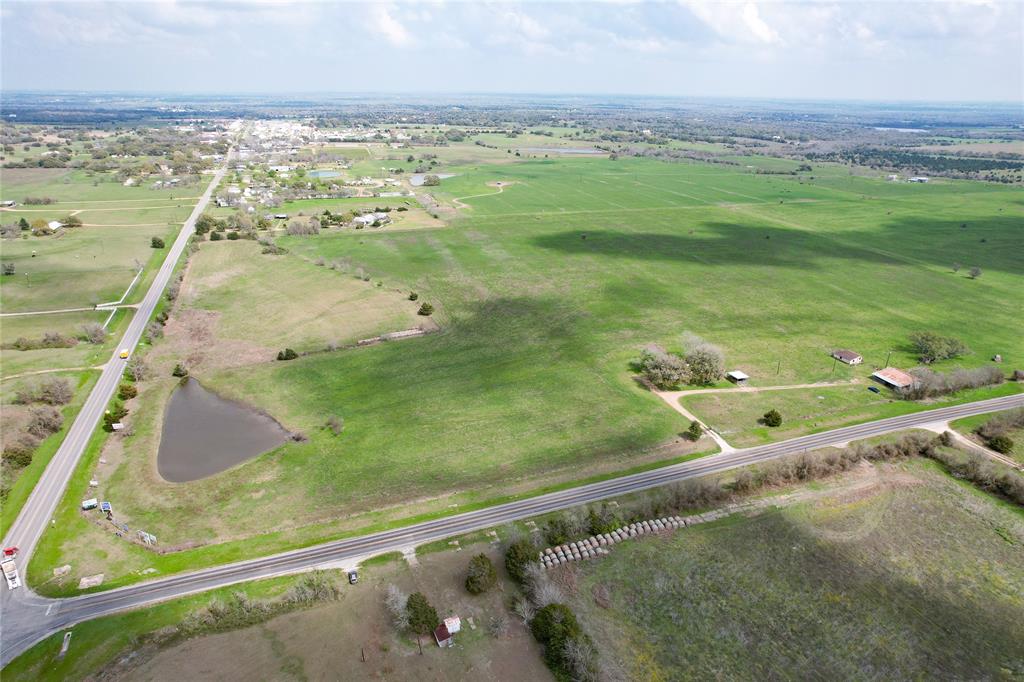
(562, 150)
(323, 173)
(204, 434)
(416, 179)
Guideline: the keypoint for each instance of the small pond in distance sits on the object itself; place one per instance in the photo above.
(323, 174)
(204, 434)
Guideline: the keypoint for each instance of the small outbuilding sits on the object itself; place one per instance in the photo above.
(737, 377)
(894, 378)
(444, 634)
(847, 356)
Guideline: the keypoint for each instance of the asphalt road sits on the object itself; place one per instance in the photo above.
(39, 508)
(29, 618)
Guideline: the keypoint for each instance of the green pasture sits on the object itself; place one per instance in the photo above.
(922, 579)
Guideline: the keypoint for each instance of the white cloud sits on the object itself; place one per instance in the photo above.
(387, 26)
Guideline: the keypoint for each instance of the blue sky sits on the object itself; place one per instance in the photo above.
(966, 50)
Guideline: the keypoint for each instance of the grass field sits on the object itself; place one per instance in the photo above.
(736, 414)
(301, 305)
(921, 577)
(16, 362)
(544, 293)
(316, 643)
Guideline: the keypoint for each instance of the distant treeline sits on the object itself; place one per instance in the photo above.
(897, 158)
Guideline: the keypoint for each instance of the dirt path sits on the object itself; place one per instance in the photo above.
(50, 371)
(501, 188)
(672, 398)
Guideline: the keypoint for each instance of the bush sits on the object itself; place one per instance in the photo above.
(55, 392)
(556, 628)
(336, 424)
(127, 391)
(929, 383)
(603, 520)
(395, 602)
(663, 369)
(422, 616)
(287, 354)
(179, 370)
(1002, 444)
(216, 236)
(8, 268)
(431, 181)
(94, 332)
(772, 418)
(481, 575)
(413, 296)
(931, 347)
(18, 454)
(518, 556)
(44, 420)
(156, 243)
(426, 309)
(232, 236)
(695, 431)
(137, 368)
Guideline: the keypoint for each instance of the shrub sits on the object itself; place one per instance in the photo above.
(336, 424)
(156, 243)
(974, 272)
(55, 392)
(603, 520)
(287, 354)
(1002, 443)
(413, 296)
(303, 227)
(695, 431)
(481, 575)
(663, 369)
(232, 236)
(426, 309)
(931, 347)
(395, 602)
(94, 332)
(127, 391)
(137, 368)
(18, 454)
(179, 370)
(772, 418)
(44, 420)
(8, 268)
(216, 236)
(518, 556)
(431, 181)
(930, 383)
(422, 616)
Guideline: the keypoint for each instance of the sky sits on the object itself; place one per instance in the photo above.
(970, 50)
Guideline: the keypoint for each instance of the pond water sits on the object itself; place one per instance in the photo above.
(416, 179)
(323, 173)
(204, 434)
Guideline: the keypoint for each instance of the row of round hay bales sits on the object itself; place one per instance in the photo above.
(597, 545)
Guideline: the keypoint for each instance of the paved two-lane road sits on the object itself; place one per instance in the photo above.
(28, 617)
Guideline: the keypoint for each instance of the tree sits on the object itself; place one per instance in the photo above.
(974, 272)
(287, 354)
(706, 364)
(695, 431)
(179, 370)
(518, 557)
(395, 602)
(44, 420)
(931, 347)
(8, 268)
(71, 221)
(956, 267)
(481, 575)
(425, 310)
(336, 424)
(422, 616)
(1001, 443)
(23, 225)
(137, 368)
(156, 243)
(413, 295)
(663, 369)
(431, 181)
(127, 391)
(772, 418)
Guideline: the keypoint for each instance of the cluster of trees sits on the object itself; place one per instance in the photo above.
(996, 431)
(44, 420)
(929, 383)
(895, 158)
(410, 613)
(49, 340)
(702, 364)
(931, 347)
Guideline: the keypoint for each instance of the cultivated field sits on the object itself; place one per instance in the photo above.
(918, 577)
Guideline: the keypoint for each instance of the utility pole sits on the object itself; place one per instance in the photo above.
(778, 369)
(887, 358)
(834, 365)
